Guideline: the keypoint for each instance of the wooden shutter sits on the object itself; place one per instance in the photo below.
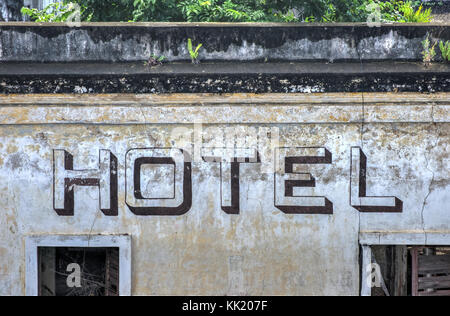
(112, 272)
(430, 273)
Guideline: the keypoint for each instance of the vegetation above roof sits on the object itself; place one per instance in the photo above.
(233, 11)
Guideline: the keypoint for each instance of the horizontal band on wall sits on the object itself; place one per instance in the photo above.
(404, 238)
(226, 109)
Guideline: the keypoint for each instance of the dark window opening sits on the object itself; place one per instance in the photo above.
(78, 271)
(412, 270)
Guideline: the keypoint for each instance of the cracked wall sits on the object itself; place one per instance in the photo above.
(260, 251)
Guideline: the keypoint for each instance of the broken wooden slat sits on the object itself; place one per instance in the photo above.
(401, 271)
(430, 273)
(436, 282)
(112, 272)
(434, 264)
(415, 271)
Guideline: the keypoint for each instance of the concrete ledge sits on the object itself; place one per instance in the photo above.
(223, 78)
(405, 238)
(398, 99)
(221, 68)
(123, 42)
(236, 58)
(226, 109)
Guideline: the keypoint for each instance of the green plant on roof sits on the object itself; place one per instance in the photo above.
(193, 52)
(445, 50)
(155, 60)
(428, 52)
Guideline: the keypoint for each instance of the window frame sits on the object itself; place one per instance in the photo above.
(369, 239)
(32, 243)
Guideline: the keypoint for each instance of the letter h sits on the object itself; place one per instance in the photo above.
(65, 179)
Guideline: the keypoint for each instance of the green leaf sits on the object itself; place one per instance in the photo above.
(198, 47)
(445, 50)
(190, 46)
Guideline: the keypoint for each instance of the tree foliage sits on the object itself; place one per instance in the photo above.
(246, 10)
(105, 10)
(54, 12)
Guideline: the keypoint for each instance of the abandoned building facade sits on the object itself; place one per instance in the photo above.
(293, 160)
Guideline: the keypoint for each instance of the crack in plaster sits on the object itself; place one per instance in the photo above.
(429, 187)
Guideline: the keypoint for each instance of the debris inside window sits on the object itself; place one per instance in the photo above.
(78, 271)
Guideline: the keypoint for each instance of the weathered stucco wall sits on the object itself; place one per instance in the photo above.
(263, 250)
(122, 42)
(261, 194)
